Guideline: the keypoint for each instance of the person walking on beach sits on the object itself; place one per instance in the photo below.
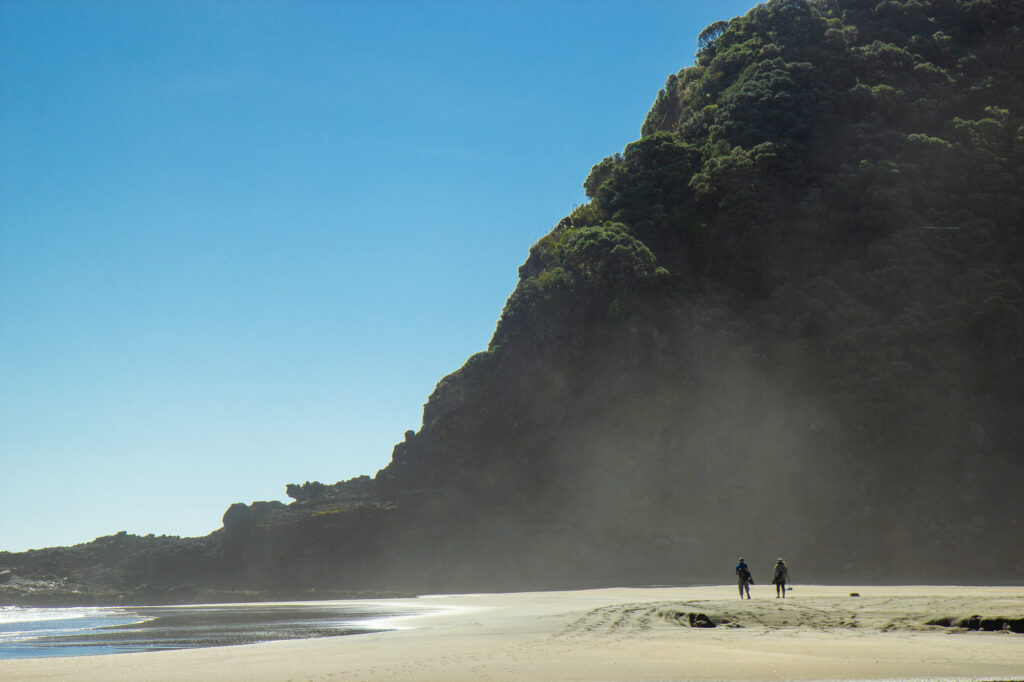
(743, 577)
(780, 577)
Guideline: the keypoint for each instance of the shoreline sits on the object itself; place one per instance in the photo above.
(98, 631)
(817, 632)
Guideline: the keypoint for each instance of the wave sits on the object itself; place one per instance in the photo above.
(23, 614)
(21, 624)
(82, 631)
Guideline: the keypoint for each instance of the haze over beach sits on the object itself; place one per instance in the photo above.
(749, 406)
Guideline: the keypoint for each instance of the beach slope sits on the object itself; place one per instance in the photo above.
(818, 632)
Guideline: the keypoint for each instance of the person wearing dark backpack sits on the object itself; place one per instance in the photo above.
(780, 576)
(743, 577)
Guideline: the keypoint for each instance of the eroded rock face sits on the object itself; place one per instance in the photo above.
(236, 516)
(240, 516)
(314, 491)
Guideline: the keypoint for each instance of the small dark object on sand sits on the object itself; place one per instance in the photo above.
(699, 620)
(855, 594)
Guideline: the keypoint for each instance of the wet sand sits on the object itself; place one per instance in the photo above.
(817, 632)
(103, 631)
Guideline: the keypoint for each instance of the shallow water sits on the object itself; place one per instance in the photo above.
(86, 631)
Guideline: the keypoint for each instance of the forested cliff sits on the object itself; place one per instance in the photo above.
(789, 321)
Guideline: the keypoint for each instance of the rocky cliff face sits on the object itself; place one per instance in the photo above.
(790, 321)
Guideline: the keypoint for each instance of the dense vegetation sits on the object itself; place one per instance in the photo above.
(848, 120)
(790, 320)
(796, 300)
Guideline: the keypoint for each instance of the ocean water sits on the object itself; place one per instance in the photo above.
(87, 631)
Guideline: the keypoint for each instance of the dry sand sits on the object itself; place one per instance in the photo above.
(818, 632)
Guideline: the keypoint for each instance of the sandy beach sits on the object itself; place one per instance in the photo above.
(817, 632)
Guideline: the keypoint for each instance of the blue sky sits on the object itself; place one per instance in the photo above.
(241, 242)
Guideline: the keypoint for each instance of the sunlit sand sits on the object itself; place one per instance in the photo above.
(817, 632)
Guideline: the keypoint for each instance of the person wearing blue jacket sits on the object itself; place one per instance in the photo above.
(743, 577)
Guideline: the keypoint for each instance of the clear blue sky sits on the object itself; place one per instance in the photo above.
(240, 242)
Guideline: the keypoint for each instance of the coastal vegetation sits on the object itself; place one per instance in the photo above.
(789, 319)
